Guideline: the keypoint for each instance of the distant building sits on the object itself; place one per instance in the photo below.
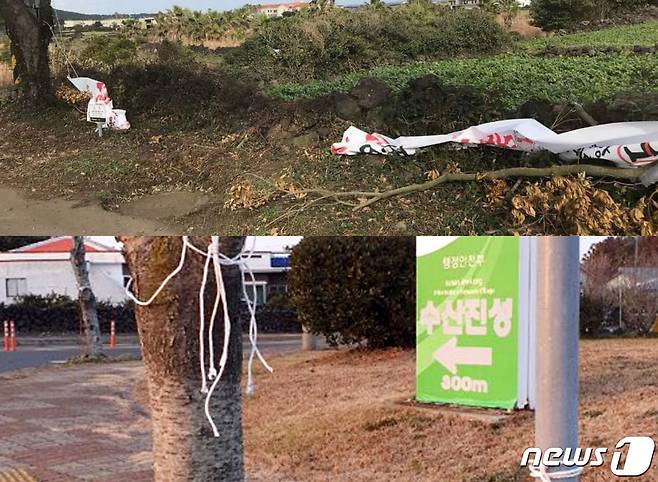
(114, 23)
(640, 278)
(278, 9)
(270, 270)
(45, 268)
(458, 3)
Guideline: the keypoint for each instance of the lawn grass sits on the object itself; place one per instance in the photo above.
(336, 416)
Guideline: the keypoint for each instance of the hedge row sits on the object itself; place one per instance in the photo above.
(60, 314)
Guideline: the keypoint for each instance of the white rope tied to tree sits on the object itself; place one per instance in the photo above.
(542, 474)
(213, 255)
(69, 65)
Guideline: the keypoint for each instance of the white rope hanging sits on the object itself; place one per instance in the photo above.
(69, 65)
(217, 259)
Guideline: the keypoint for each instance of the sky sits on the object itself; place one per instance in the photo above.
(587, 242)
(106, 7)
(143, 6)
(277, 243)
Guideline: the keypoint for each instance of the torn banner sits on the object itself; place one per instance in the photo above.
(100, 108)
(626, 144)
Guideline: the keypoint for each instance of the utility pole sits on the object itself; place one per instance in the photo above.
(556, 416)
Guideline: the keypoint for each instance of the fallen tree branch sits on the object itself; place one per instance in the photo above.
(584, 115)
(625, 174)
(619, 173)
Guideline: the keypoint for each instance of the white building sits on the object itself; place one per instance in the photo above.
(45, 268)
(270, 270)
(278, 9)
(114, 23)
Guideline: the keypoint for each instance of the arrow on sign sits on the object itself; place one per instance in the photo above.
(450, 355)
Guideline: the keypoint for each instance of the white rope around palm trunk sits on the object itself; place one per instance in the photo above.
(213, 256)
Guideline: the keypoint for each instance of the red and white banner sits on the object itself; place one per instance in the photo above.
(626, 144)
(100, 108)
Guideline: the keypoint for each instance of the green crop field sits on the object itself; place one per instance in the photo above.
(511, 78)
(626, 36)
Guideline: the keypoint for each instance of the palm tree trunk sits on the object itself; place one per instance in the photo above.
(30, 35)
(86, 299)
(183, 444)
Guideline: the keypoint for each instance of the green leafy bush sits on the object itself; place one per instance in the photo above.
(320, 45)
(356, 289)
(593, 313)
(564, 14)
(109, 50)
(187, 91)
(169, 52)
(558, 14)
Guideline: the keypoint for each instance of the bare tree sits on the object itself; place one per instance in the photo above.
(29, 27)
(635, 306)
(184, 448)
(86, 298)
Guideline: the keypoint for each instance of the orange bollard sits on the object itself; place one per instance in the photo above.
(5, 345)
(12, 334)
(113, 334)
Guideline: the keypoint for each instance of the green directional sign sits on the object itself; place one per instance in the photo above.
(467, 320)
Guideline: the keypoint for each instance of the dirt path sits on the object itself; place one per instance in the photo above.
(23, 216)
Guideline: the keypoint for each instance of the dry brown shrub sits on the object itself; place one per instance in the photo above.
(246, 195)
(6, 76)
(575, 206)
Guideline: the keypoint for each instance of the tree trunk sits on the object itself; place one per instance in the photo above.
(30, 35)
(87, 299)
(184, 448)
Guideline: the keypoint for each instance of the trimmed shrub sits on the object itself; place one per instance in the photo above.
(356, 289)
(61, 314)
(273, 319)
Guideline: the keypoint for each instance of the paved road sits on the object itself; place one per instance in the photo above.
(36, 356)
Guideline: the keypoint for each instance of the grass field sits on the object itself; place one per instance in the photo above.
(513, 78)
(626, 36)
(336, 416)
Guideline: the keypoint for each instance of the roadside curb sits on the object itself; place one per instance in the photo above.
(126, 340)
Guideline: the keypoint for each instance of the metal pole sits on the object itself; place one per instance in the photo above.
(309, 341)
(556, 416)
